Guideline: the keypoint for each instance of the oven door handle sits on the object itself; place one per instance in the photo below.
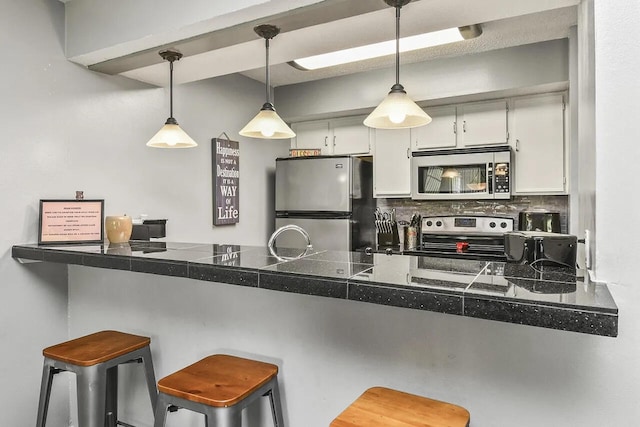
(490, 178)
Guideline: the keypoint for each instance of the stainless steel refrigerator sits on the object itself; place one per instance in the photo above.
(331, 197)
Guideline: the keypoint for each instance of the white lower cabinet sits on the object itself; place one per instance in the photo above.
(538, 144)
(391, 163)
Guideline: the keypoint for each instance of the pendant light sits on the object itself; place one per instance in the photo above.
(397, 110)
(170, 135)
(267, 124)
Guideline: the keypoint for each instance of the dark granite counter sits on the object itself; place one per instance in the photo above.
(545, 297)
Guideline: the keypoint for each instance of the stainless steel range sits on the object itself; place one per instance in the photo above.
(467, 237)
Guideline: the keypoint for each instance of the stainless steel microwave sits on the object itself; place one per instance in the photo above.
(469, 173)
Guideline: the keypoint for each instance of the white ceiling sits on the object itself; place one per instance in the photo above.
(505, 23)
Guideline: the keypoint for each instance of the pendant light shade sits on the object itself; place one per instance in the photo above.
(171, 135)
(397, 110)
(267, 124)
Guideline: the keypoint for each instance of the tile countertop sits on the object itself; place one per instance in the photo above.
(546, 297)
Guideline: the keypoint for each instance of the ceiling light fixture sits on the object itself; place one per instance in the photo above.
(397, 110)
(267, 124)
(171, 135)
(376, 50)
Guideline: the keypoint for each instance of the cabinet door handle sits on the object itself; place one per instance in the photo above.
(455, 127)
(409, 153)
(334, 140)
(517, 145)
(325, 140)
(464, 126)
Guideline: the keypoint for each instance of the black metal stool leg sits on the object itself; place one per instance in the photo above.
(112, 397)
(48, 372)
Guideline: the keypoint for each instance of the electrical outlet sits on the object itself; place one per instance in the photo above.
(587, 250)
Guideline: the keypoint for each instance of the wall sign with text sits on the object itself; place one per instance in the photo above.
(71, 221)
(226, 181)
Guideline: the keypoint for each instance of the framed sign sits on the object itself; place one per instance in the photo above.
(226, 181)
(305, 152)
(71, 221)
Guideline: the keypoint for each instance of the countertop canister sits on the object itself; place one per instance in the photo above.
(118, 228)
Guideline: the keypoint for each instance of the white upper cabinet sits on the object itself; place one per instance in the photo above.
(391, 163)
(538, 144)
(440, 133)
(350, 136)
(346, 135)
(311, 135)
(482, 123)
(533, 125)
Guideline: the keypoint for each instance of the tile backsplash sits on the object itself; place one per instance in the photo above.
(510, 208)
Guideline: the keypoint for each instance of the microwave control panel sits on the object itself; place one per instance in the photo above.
(501, 174)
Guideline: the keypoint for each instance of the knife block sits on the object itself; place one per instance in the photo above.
(389, 239)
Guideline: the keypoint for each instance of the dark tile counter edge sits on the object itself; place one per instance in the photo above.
(419, 299)
(574, 320)
(592, 321)
(303, 284)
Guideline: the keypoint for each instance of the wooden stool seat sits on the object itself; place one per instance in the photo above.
(219, 380)
(96, 348)
(384, 407)
(94, 359)
(220, 387)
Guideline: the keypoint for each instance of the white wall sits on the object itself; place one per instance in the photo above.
(511, 70)
(97, 30)
(59, 116)
(66, 129)
(585, 137)
(331, 350)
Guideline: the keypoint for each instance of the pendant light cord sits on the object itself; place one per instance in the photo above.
(171, 89)
(268, 83)
(397, 45)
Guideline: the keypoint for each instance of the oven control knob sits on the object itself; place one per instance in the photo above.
(438, 223)
(503, 225)
(492, 224)
(429, 223)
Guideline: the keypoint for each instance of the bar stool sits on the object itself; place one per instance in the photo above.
(219, 387)
(94, 359)
(384, 407)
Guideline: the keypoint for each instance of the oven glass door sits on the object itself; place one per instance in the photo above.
(480, 247)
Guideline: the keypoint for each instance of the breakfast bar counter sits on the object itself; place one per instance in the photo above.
(544, 296)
